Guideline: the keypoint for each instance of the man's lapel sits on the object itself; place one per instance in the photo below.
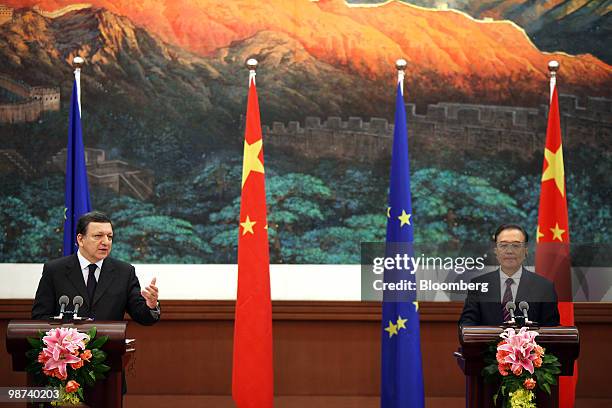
(75, 277)
(525, 286)
(494, 288)
(495, 298)
(107, 276)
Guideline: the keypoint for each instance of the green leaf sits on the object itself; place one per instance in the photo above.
(545, 387)
(101, 368)
(99, 342)
(92, 333)
(36, 343)
(98, 356)
(548, 377)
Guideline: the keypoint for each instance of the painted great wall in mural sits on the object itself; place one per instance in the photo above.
(27, 102)
(455, 127)
(164, 96)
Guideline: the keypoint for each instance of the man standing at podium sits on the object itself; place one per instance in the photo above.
(510, 282)
(109, 287)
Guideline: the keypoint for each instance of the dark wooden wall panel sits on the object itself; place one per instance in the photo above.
(320, 348)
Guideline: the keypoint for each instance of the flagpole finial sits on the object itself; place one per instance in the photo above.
(251, 64)
(78, 62)
(401, 64)
(553, 67)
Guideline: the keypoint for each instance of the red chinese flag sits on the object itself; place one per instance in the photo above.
(552, 250)
(252, 375)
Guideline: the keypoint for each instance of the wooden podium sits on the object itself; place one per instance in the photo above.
(106, 393)
(561, 341)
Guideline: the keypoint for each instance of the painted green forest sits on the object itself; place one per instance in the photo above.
(318, 211)
(170, 105)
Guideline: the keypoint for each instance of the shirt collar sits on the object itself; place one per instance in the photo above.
(516, 277)
(85, 263)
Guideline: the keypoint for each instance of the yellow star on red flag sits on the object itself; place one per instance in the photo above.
(539, 234)
(557, 232)
(555, 170)
(247, 226)
(251, 159)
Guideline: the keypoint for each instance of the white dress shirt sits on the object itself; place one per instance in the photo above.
(514, 287)
(85, 267)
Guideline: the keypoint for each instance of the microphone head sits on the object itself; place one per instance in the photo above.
(78, 300)
(524, 305)
(510, 306)
(63, 300)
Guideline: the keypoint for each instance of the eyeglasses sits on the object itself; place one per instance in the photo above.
(507, 246)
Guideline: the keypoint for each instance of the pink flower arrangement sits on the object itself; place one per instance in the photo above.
(518, 351)
(519, 365)
(69, 360)
(62, 347)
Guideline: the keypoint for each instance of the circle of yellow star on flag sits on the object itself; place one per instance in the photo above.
(555, 170)
(557, 232)
(539, 234)
(251, 159)
(247, 226)
(404, 218)
(392, 329)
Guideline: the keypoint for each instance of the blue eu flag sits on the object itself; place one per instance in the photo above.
(402, 373)
(76, 192)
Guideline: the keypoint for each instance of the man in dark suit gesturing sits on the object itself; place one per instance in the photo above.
(510, 282)
(108, 286)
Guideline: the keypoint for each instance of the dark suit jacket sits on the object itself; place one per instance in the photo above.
(485, 309)
(118, 291)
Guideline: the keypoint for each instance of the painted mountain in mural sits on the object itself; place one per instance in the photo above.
(573, 26)
(451, 54)
(130, 67)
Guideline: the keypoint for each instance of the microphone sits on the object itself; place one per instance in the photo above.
(524, 306)
(511, 307)
(77, 302)
(63, 301)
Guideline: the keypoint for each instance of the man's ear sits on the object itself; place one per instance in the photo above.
(79, 240)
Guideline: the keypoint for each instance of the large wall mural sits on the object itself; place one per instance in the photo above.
(164, 94)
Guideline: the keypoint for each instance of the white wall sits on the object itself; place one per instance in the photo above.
(212, 282)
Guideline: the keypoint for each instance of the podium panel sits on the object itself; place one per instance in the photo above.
(105, 393)
(562, 341)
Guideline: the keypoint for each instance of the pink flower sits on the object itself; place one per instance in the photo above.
(77, 365)
(529, 383)
(72, 386)
(65, 340)
(519, 348)
(42, 358)
(60, 363)
(501, 356)
(86, 355)
(62, 348)
(503, 369)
